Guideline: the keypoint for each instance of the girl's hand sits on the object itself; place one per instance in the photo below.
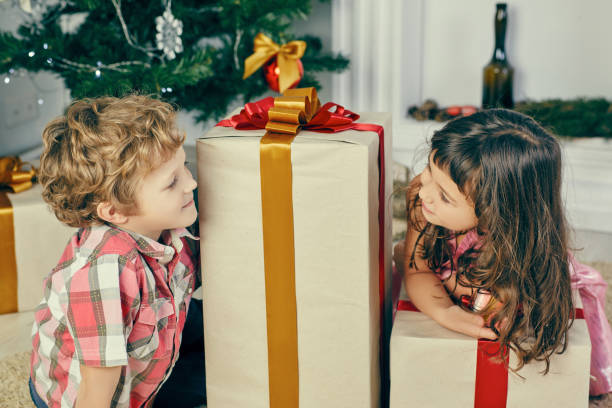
(462, 321)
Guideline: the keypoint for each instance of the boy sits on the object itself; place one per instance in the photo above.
(108, 330)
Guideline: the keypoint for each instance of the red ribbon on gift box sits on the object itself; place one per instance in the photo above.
(330, 118)
(491, 389)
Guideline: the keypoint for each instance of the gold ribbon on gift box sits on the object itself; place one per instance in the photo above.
(290, 111)
(283, 118)
(14, 178)
(287, 55)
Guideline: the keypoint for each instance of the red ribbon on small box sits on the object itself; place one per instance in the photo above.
(491, 389)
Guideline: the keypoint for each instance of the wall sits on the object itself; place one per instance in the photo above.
(403, 52)
(319, 24)
(559, 48)
(27, 103)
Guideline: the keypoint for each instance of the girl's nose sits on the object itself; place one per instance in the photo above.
(423, 194)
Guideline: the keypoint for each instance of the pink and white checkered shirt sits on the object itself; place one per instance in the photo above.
(115, 298)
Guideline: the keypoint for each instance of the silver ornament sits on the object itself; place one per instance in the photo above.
(168, 36)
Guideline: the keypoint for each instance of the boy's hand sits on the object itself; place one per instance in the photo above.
(97, 386)
(462, 321)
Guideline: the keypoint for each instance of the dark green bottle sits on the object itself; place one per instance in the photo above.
(498, 74)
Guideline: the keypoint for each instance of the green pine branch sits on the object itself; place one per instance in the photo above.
(580, 117)
(9, 48)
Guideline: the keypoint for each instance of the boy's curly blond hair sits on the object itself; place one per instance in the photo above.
(100, 150)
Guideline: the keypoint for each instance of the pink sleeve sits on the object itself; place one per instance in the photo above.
(592, 289)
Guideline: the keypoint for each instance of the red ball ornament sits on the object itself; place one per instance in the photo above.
(272, 72)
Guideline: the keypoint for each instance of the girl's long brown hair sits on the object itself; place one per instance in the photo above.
(510, 167)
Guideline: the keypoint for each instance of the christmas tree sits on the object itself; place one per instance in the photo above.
(190, 52)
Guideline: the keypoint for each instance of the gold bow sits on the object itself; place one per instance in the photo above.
(287, 55)
(12, 175)
(292, 110)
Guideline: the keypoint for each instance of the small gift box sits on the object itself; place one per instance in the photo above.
(32, 242)
(435, 367)
(294, 274)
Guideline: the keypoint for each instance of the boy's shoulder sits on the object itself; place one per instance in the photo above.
(93, 242)
(97, 257)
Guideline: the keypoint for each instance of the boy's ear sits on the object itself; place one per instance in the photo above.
(108, 212)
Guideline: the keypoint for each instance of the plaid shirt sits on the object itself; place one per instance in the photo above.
(116, 298)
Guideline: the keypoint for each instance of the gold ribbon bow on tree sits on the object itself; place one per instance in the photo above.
(287, 56)
(12, 175)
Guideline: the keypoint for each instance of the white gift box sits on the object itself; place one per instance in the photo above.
(39, 240)
(336, 230)
(432, 366)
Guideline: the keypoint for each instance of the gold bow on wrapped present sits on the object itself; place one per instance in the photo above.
(292, 110)
(13, 176)
(287, 55)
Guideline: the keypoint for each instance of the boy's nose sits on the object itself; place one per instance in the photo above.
(191, 183)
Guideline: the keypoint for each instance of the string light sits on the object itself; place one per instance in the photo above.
(45, 46)
(7, 80)
(40, 101)
(98, 73)
(31, 54)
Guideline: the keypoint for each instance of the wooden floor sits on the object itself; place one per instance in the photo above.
(15, 332)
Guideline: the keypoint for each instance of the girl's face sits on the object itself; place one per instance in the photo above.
(441, 201)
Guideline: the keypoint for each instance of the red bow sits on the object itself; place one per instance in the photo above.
(254, 115)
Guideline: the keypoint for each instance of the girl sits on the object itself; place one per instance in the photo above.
(486, 222)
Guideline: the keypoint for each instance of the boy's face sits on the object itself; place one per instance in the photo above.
(164, 199)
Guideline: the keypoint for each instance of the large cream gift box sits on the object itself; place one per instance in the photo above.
(38, 242)
(435, 367)
(336, 230)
